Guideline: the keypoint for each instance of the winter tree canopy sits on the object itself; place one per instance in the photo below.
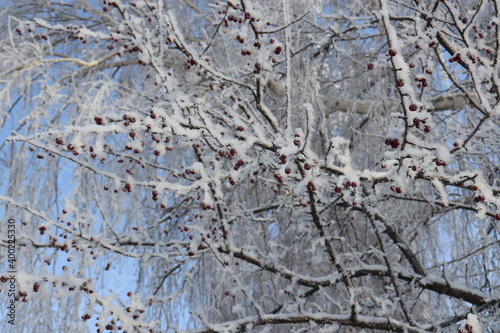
(252, 165)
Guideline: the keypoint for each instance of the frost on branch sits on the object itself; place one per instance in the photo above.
(231, 166)
(471, 325)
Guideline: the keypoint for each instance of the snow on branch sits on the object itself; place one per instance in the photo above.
(261, 166)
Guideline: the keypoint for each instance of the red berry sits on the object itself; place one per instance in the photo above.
(413, 107)
(370, 66)
(400, 83)
(307, 166)
(392, 52)
(395, 143)
(338, 189)
(479, 198)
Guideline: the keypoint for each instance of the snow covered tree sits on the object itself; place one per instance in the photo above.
(251, 165)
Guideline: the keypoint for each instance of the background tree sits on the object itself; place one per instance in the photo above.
(260, 166)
